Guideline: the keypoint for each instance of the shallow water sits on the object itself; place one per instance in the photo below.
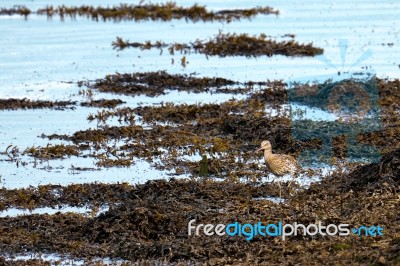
(39, 51)
(13, 212)
(60, 259)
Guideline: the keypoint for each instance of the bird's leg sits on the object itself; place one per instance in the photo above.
(280, 190)
(291, 181)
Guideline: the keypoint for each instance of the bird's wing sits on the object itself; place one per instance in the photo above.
(281, 164)
(290, 160)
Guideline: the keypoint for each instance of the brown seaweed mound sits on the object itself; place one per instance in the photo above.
(229, 45)
(14, 104)
(150, 222)
(124, 12)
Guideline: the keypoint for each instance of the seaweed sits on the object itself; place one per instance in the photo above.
(125, 12)
(157, 83)
(150, 221)
(229, 45)
(25, 103)
(103, 103)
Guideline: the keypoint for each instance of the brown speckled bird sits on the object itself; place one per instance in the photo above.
(278, 164)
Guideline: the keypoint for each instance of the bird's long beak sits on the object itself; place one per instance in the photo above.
(259, 149)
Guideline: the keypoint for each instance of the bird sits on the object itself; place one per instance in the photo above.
(278, 164)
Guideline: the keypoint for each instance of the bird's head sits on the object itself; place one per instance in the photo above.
(265, 145)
